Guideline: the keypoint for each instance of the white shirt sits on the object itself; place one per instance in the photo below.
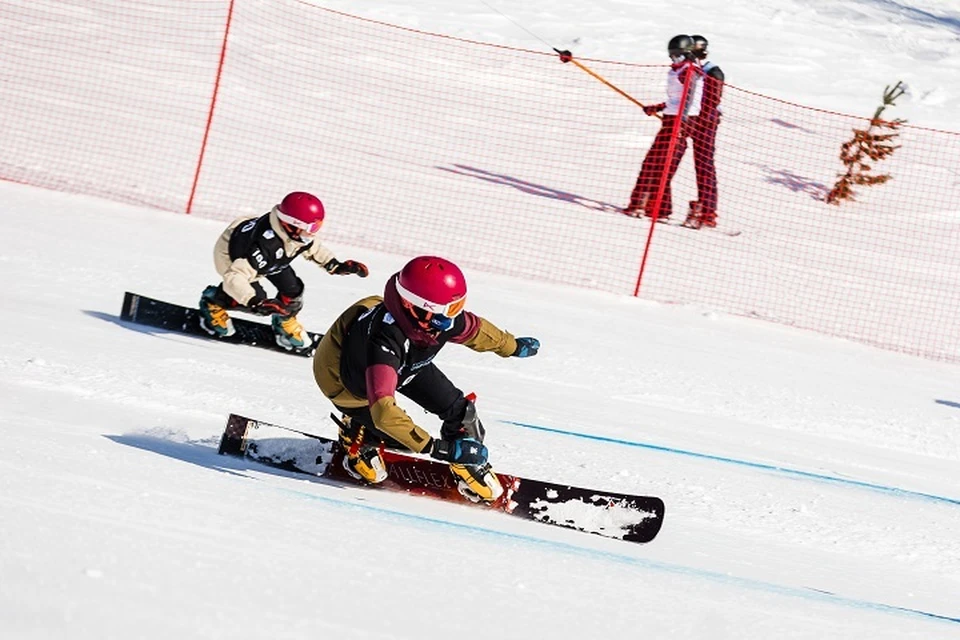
(675, 91)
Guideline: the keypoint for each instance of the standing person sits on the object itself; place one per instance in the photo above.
(380, 346)
(680, 49)
(254, 248)
(703, 210)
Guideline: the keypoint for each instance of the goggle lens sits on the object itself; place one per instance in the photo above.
(454, 308)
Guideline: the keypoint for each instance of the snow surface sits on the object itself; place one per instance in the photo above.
(811, 484)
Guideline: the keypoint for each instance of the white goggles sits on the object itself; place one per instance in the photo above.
(309, 228)
(450, 310)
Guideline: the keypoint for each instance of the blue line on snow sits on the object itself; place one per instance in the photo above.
(746, 583)
(744, 463)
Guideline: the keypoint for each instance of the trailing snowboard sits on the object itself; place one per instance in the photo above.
(610, 514)
(669, 222)
(730, 233)
(173, 317)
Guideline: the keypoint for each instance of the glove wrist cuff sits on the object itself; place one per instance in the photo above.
(440, 449)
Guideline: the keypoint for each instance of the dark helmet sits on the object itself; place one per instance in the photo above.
(680, 46)
(699, 47)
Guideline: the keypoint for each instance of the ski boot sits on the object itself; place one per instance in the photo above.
(290, 333)
(362, 461)
(477, 482)
(698, 218)
(214, 319)
(636, 207)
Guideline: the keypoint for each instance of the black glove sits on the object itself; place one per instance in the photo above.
(526, 347)
(653, 109)
(565, 55)
(282, 306)
(459, 451)
(468, 427)
(347, 267)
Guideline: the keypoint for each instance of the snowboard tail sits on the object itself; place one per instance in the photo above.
(631, 518)
(173, 317)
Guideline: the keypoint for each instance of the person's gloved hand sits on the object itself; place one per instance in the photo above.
(458, 451)
(281, 305)
(526, 347)
(654, 109)
(347, 267)
(565, 55)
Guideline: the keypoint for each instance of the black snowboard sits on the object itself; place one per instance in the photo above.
(627, 517)
(173, 317)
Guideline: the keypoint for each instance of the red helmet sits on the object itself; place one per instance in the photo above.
(433, 290)
(301, 212)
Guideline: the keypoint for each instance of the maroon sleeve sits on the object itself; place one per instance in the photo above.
(381, 382)
(467, 327)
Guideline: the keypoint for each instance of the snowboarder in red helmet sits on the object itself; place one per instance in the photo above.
(380, 346)
(251, 249)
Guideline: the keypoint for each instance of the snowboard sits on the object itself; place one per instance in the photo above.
(730, 233)
(679, 224)
(631, 518)
(173, 317)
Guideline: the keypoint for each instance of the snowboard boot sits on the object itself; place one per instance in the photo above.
(636, 207)
(362, 461)
(477, 483)
(214, 319)
(290, 333)
(698, 218)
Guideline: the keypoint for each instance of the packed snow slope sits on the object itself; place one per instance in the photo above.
(810, 483)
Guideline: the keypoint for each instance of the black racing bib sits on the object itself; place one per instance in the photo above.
(257, 242)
